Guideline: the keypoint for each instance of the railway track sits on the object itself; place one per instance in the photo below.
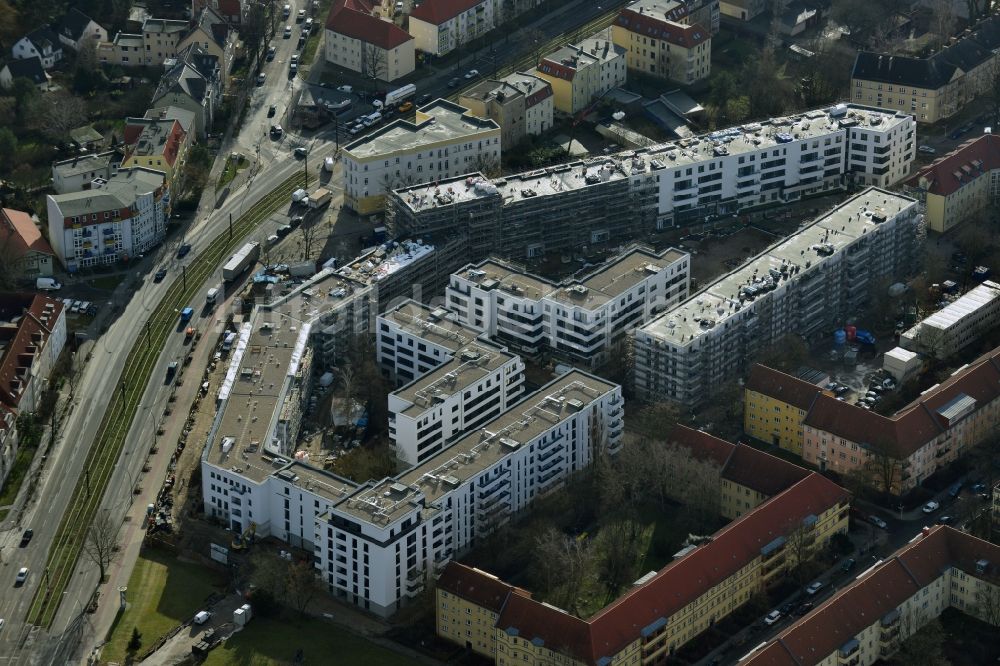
(113, 431)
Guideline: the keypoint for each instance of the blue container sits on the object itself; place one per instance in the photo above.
(840, 337)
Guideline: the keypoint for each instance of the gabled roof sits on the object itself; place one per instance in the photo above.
(230, 8)
(74, 24)
(28, 68)
(182, 78)
(213, 24)
(477, 586)
(786, 388)
(29, 319)
(546, 626)
(648, 25)
(353, 18)
(959, 167)
(880, 592)
(203, 61)
(20, 235)
(42, 37)
(437, 12)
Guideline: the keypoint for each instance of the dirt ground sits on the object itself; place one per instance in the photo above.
(716, 256)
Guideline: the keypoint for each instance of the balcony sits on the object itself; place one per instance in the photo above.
(414, 584)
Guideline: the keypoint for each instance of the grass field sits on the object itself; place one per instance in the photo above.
(162, 593)
(267, 642)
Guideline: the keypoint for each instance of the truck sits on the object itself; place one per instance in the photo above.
(320, 198)
(212, 296)
(397, 96)
(47, 284)
(186, 314)
(239, 262)
(171, 372)
(300, 196)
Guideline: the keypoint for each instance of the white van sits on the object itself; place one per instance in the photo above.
(372, 119)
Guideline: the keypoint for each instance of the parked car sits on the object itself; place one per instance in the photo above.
(978, 488)
(814, 587)
(926, 150)
(406, 107)
(301, 16)
(271, 110)
(345, 89)
(276, 131)
(183, 250)
(848, 564)
(954, 489)
(160, 274)
(423, 99)
(472, 73)
(878, 522)
(944, 520)
(931, 507)
(261, 78)
(804, 608)
(288, 32)
(453, 83)
(295, 58)
(271, 50)
(292, 68)
(772, 617)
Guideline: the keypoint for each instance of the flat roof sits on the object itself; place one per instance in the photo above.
(84, 163)
(437, 122)
(748, 138)
(436, 325)
(470, 364)
(785, 260)
(391, 499)
(973, 300)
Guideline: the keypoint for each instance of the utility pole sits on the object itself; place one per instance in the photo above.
(184, 276)
(147, 334)
(231, 215)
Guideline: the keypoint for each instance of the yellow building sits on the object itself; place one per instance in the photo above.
(669, 609)
(867, 621)
(156, 143)
(774, 406)
(662, 41)
(933, 88)
(581, 73)
(961, 185)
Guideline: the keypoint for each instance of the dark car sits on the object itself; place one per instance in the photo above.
(804, 608)
(160, 274)
(944, 520)
(423, 99)
(271, 110)
(453, 83)
(848, 564)
(26, 537)
(183, 250)
(954, 489)
(787, 609)
(295, 221)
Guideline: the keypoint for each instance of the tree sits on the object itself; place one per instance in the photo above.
(373, 63)
(488, 165)
(885, 468)
(8, 147)
(943, 21)
(135, 641)
(987, 601)
(10, 32)
(535, 40)
(101, 544)
(300, 586)
(924, 646)
(738, 109)
(617, 566)
(61, 112)
(25, 97)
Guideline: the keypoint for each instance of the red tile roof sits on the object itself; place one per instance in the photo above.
(866, 601)
(474, 585)
(551, 627)
(230, 9)
(30, 326)
(703, 445)
(439, 11)
(354, 19)
(648, 25)
(20, 235)
(776, 384)
(959, 167)
(556, 69)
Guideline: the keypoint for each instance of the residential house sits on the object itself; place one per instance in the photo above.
(158, 143)
(580, 74)
(441, 26)
(214, 36)
(184, 86)
(866, 621)
(660, 46)
(115, 220)
(42, 43)
(520, 103)
(935, 87)
(233, 11)
(360, 41)
(77, 173)
(774, 406)
(22, 246)
(28, 68)
(32, 337)
(76, 28)
(959, 186)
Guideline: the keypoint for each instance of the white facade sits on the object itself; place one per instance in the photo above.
(804, 285)
(386, 62)
(441, 35)
(579, 320)
(78, 173)
(957, 325)
(113, 221)
(46, 46)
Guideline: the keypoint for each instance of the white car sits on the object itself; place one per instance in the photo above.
(295, 57)
(878, 522)
(1, 623)
(813, 588)
(288, 32)
(772, 617)
(926, 150)
(473, 73)
(931, 507)
(345, 89)
(22, 575)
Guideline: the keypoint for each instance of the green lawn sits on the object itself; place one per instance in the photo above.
(162, 593)
(266, 642)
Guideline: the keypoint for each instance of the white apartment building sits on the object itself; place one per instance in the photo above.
(77, 173)
(364, 43)
(580, 320)
(466, 383)
(805, 284)
(441, 26)
(581, 73)
(444, 140)
(115, 219)
(957, 325)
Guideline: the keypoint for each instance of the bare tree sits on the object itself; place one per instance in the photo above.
(565, 561)
(488, 165)
(101, 544)
(308, 239)
(373, 62)
(943, 21)
(923, 641)
(61, 112)
(617, 566)
(885, 468)
(300, 586)
(987, 602)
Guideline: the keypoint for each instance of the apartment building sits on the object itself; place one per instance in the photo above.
(114, 220)
(211, 33)
(360, 41)
(804, 285)
(775, 405)
(582, 73)
(444, 140)
(77, 173)
(459, 383)
(565, 207)
(32, 337)
(957, 325)
(192, 82)
(959, 186)
(932, 88)
(520, 103)
(581, 320)
(22, 246)
(660, 613)
(867, 621)
(441, 26)
(659, 46)
(158, 41)
(155, 143)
